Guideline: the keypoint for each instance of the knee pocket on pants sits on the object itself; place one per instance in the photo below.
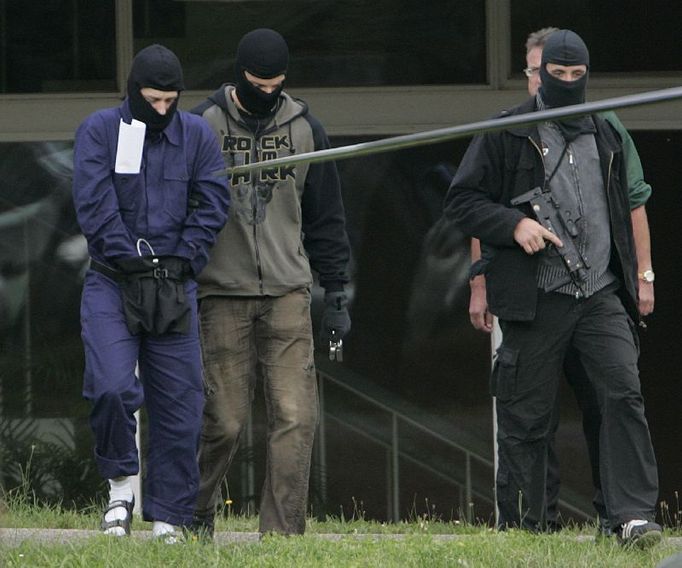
(504, 374)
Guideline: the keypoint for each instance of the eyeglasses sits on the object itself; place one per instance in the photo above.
(530, 71)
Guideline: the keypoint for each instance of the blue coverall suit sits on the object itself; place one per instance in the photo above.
(114, 211)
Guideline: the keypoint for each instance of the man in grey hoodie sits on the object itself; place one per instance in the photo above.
(255, 293)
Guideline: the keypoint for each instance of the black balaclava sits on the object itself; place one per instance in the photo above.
(159, 68)
(565, 47)
(264, 54)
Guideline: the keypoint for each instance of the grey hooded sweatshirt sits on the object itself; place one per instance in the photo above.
(284, 220)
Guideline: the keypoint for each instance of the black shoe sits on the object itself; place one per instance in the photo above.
(123, 523)
(640, 533)
(202, 528)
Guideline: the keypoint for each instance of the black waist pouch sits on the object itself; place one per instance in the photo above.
(153, 292)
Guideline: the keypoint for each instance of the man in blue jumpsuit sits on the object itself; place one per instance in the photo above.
(149, 228)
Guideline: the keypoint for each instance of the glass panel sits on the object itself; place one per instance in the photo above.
(411, 344)
(332, 43)
(42, 257)
(45, 441)
(639, 37)
(57, 46)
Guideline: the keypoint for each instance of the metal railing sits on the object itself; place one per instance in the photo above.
(467, 484)
(397, 449)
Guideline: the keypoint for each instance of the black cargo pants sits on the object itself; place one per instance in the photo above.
(525, 380)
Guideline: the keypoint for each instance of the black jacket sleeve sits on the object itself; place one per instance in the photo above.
(477, 201)
(324, 218)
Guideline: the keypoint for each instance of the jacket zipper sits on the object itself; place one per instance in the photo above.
(608, 197)
(608, 174)
(542, 159)
(259, 266)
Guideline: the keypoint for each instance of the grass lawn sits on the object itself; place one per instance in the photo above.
(423, 542)
(483, 549)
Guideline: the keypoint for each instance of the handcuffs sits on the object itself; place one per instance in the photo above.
(335, 347)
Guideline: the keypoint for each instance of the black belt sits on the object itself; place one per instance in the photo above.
(158, 273)
(107, 271)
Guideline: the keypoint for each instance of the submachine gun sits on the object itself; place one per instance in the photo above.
(552, 217)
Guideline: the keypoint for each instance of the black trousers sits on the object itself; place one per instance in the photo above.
(588, 403)
(525, 381)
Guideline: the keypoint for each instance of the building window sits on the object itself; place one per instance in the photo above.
(57, 46)
(623, 37)
(332, 43)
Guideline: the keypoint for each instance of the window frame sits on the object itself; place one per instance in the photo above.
(375, 111)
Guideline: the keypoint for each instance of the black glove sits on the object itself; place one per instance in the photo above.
(153, 289)
(335, 316)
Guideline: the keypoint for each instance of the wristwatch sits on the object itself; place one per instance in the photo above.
(647, 276)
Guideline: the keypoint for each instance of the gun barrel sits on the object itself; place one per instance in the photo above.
(527, 197)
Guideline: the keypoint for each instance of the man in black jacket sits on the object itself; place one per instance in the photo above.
(545, 308)
(639, 191)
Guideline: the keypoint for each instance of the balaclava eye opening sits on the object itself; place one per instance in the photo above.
(264, 54)
(156, 67)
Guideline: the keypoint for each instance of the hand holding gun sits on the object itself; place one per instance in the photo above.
(549, 214)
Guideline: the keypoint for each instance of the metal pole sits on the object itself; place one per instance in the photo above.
(124, 42)
(498, 37)
(461, 131)
(28, 347)
(389, 485)
(395, 465)
(467, 473)
(495, 342)
(136, 480)
(321, 444)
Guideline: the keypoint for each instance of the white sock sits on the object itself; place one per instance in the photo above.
(161, 529)
(119, 490)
